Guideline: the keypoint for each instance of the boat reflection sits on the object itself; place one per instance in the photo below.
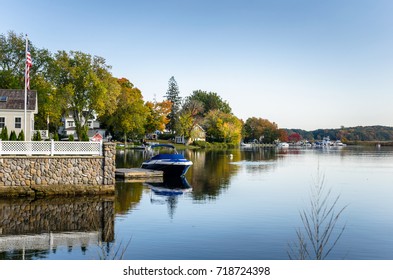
(167, 191)
(170, 186)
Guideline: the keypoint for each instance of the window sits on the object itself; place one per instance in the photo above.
(70, 123)
(18, 122)
(2, 122)
(3, 98)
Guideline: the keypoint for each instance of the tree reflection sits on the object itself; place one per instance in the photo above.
(211, 172)
(319, 235)
(127, 196)
(209, 175)
(130, 158)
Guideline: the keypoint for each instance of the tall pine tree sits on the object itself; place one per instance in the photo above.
(173, 95)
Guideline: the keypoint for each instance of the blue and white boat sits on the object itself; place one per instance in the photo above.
(172, 164)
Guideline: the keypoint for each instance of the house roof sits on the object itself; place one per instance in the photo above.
(199, 127)
(14, 99)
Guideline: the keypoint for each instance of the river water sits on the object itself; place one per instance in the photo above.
(234, 204)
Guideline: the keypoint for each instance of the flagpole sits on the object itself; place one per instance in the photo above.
(25, 132)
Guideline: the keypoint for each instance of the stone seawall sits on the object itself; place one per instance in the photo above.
(49, 175)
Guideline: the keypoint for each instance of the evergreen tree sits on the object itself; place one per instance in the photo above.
(4, 134)
(21, 135)
(173, 95)
(84, 136)
(13, 136)
(37, 136)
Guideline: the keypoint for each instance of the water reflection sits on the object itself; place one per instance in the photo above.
(34, 228)
(211, 172)
(128, 195)
(209, 175)
(130, 158)
(168, 191)
(319, 234)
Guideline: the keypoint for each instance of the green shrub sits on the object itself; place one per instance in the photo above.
(84, 136)
(13, 136)
(4, 134)
(55, 136)
(21, 135)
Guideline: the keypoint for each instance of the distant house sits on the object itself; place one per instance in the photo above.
(97, 137)
(197, 134)
(68, 128)
(12, 108)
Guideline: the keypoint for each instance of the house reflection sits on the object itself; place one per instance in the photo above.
(43, 225)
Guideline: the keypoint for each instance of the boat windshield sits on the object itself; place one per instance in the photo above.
(163, 148)
(168, 156)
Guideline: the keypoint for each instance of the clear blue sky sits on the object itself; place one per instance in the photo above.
(301, 63)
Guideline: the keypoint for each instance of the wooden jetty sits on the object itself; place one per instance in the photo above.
(137, 174)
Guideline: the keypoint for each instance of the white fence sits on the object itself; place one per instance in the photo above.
(50, 148)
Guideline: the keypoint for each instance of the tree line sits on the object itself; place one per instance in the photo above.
(347, 134)
(80, 84)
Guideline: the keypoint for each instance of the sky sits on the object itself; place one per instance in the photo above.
(306, 64)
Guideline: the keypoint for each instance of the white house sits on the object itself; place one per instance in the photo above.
(12, 110)
(69, 128)
(197, 134)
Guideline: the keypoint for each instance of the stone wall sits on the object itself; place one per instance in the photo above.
(25, 175)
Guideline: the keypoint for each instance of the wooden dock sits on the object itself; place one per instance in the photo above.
(137, 174)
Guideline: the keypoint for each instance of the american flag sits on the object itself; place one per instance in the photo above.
(28, 66)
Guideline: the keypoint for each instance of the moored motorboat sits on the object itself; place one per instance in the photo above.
(172, 164)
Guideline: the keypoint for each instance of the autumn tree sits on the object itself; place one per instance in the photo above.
(173, 95)
(12, 71)
(185, 124)
(157, 117)
(294, 137)
(282, 135)
(130, 116)
(87, 86)
(261, 129)
(189, 117)
(208, 101)
(223, 127)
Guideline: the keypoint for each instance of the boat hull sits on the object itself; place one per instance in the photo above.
(172, 164)
(169, 168)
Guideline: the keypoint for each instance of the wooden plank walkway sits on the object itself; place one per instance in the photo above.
(137, 173)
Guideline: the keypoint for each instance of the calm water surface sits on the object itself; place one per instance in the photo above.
(238, 204)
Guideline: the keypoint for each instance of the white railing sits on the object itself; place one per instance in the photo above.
(50, 148)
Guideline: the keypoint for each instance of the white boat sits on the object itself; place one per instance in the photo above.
(338, 143)
(326, 142)
(282, 145)
(245, 145)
